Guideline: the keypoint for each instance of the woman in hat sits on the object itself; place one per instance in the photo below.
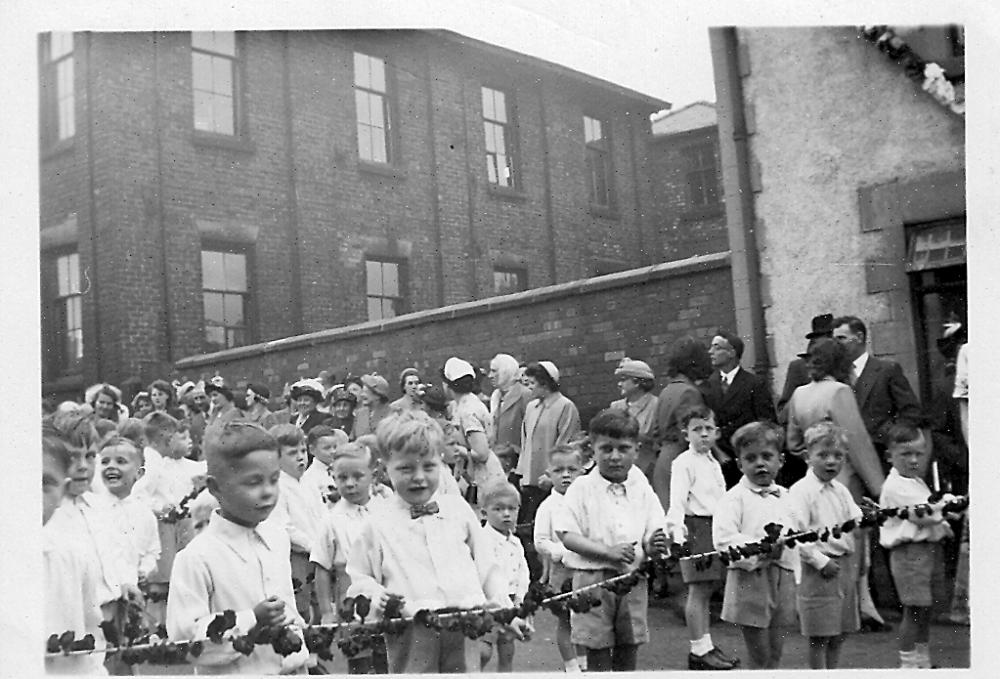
(307, 394)
(410, 385)
(342, 403)
(472, 422)
(374, 405)
(687, 365)
(635, 381)
(257, 411)
(222, 409)
(142, 405)
(550, 420)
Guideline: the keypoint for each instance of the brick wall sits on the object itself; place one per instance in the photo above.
(585, 327)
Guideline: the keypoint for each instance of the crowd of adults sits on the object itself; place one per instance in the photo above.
(525, 414)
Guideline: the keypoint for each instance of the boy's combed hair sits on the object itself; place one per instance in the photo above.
(757, 432)
(132, 429)
(233, 441)
(74, 428)
(823, 431)
(901, 432)
(409, 432)
(54, 447)
(287, 435)
(105, 427)
(355, 450)
(567, 449)
(702, 412)
(323, 431)
(615, 423)
(499, 490)
(159, 424)
(119, 441)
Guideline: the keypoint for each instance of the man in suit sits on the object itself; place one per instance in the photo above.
(735, 395)
(884, 397)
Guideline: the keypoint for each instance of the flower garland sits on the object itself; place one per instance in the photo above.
(928, 75)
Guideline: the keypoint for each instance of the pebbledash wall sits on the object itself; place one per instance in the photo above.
(846, 152)
(585, 327)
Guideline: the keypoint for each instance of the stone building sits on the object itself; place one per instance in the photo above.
(202, 191)
(845, 186)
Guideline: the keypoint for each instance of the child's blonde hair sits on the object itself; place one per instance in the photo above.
(119, 441)
(823, 431)
(355, 450)
(498, 491)
(409, 432)
(287, 435)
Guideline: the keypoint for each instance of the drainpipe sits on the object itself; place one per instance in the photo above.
(739, 192)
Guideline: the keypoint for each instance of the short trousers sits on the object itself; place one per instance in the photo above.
(829, 607)
(619, 620)
(912, 565)
(699, 540)
(762, 598)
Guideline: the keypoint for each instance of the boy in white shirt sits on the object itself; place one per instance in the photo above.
(352, 474)
(69, 579)
(760, 589)
(610, 520)
(240, 561)
(565, 465)
(914, 542)
(299, 509)
(827, 593)
(426, 548)
(696, 486)
(322, 442)
(500, 502)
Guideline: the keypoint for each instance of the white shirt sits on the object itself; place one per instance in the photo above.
(319, 478)
(740, 518)
(300, 510)
(728, 377)
(89, 517)
(610, 514)
(69, 582)
(168, 482)
(340, 529)
(859, 365)
(433, 561)
(448, 485)
(136, 524)
(228, 566)
(547, 542)
(817, 505)
(962, 373)
(696, 486)
(509, 553)
(902, 491)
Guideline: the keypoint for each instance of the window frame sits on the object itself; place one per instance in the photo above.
(603, 151)
(701, 172)
(248, 328)
(49, 91)
(57, 362)
(402, 282)
(511, 140)
(237, 74)
(519, 271)
(390, 113)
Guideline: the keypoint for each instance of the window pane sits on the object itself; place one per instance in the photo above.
(363, 105)
(215, 337)
(390, 279)
(222, 76)
(362, 74)
(365, 142)
(222, 115)
(74, 273)
(201, 72)
(235, 267)
(374, 308)
(499, 106)
(203, 110)
(62, 275)
(504, 168)
(60, 43)
(202, 40)
(500, 139)
(232, 309)
(376, 110)
(378, 146)
(212, 277)
(491, 168)
(388, 308)
(377, 74)
(488, 109)
(76, 341)
(491, 144)
(74, 313)
(224, 42)
(373, 270)
(214, 314)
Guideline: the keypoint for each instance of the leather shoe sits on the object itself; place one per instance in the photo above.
(724, 657)
(709, 661)
(873, 625)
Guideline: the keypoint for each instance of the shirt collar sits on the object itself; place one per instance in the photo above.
(818, 481)
(230, 532)
(630, 480)
(729, 376)
(505, 537)
(859, 363)
(758, 490)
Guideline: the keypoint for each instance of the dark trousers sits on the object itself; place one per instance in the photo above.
(531, 497)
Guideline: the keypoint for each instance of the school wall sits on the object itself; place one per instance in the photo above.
(845, 150)
(585, 327)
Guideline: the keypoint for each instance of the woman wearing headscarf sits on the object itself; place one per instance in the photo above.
(687, 365)
(508, 402)
(410, 384)
(635, 381)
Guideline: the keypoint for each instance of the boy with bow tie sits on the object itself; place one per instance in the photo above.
(760, 590)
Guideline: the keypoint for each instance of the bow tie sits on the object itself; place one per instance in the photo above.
(416, 511)
(764, 492)
(617, 489)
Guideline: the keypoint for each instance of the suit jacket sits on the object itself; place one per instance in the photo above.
(315, 418)
(796, 376)
(748, 399)
(508, 416)
(831, 400)
(884, 397)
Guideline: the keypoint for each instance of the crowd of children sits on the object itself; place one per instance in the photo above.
(281, 526)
